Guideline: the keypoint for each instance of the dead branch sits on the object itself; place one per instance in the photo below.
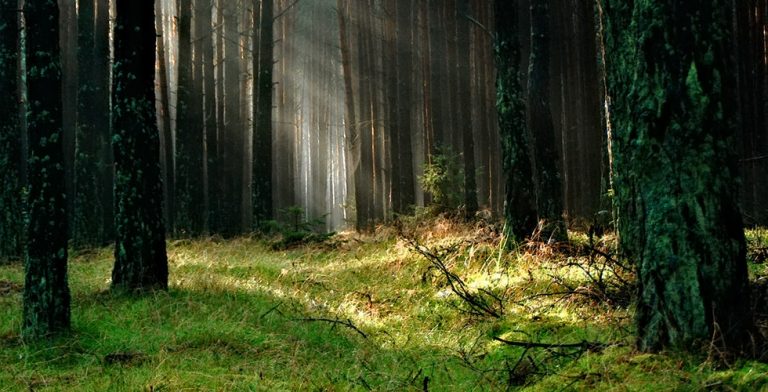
(583, 345)
(346, 323)
(480, 304)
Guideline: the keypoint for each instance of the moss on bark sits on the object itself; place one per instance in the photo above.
(46, 293)
(675, 171)
(519, 204)
(140, 256)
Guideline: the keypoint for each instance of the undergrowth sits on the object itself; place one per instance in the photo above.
(370, 312)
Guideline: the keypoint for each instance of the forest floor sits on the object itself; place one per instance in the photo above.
(361, 312)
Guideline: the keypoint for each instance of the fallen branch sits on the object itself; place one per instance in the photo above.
(584, 345)
(347, 323)
(480, 303)
(272, 309)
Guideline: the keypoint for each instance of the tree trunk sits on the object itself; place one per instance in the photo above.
(546, 177)
(11, 222)
(166, 132)
(210, 196)
(93, 218)
(352, 140)
(231, 144)
(464, 107)
(405, 105)
(675, 172)
(140, 258)
(190, 214)
(262, 132)
(46, 293)
(520, 203)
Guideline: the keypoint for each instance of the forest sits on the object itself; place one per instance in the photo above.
(431, 195)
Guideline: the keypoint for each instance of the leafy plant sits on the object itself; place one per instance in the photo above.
(443, 178)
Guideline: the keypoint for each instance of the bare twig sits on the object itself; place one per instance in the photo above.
(479, 303)
(347, 323)
(584, 345)
(272, 309)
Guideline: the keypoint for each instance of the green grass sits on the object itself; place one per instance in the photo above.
(241, 316)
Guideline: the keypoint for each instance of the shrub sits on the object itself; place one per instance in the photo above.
(443, 178)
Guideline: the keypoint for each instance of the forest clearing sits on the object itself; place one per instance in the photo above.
(431, 195)
(357, 312)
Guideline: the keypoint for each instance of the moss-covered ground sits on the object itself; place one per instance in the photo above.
(358, 312)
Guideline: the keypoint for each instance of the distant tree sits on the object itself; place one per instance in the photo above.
(464, 107)
(46, 293)
(140, 255)
(11, 224)
(262, 111)
(676, 171)
(189, 195)
(546, 176)
(93, 218)
(520, 203)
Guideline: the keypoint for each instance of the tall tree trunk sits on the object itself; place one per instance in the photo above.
(464, 107)
(101, 117)
(92, 216)
(352, 138)
(231, 144)
(68, 28)
(262, 116)
(675, 172)
(520, 203)
(140, 258)
(166, 133)
(210, 196)
(546, 177)
(46, 292)
(405, 104)
(11, 222)
(190, 218)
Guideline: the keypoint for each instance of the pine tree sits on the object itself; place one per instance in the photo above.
(46, 293)
(10, 134)
(140, 258)
(262, 132)
(546, 176)
(519, 206)
(675, 171)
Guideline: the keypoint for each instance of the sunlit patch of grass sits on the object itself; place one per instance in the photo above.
(242, 316)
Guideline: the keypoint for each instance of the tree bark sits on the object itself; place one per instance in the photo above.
(262, 132)
(676, 172)
(46, 292)
(166, 132)
(11, 222)
(463, 109)
(546, 176)
(93, 218)
(520, 203)
(140, 257)
(190, 213)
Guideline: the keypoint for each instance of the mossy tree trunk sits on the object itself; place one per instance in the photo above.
(519, 205)
(46, 294)
(140, 258)
(546, 176)
(676, 170)
(11, 222)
